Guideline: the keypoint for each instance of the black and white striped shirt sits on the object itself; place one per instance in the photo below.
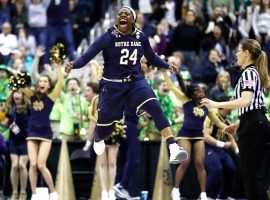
(250, 81)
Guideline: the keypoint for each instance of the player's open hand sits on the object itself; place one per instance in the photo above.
(68, 67)
(40, 51)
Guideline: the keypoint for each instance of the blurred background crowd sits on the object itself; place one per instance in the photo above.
(199, 36)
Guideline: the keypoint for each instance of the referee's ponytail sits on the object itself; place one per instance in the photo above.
(261, 64)
(259, 58)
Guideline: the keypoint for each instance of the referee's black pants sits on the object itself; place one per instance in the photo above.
(254, 133)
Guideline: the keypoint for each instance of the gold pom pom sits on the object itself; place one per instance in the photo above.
(58, 54)
(20, 81)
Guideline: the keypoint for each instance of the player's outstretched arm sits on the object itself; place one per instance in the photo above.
(98, 45)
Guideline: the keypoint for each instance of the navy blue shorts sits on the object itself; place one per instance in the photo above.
(114, 96)
(112, 140)
(18, 148)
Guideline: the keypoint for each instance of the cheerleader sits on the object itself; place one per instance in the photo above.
(18, 104)
(191, 134)
(39, 138)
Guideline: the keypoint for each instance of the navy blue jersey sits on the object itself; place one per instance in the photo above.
(194, 116)
(21, 119)
(122, 54)
(40, 111)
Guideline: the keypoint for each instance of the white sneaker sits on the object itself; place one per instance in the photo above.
(112, 195)
(178, 154)
(104, 195)
(99, 147)
(34, 197)
(54, 196)
(175, 194)
(203, 196)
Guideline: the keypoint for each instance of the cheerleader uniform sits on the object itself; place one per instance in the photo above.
(39, 122)
(18, 124)
(194, 117)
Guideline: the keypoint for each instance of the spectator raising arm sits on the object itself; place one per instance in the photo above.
(39, 53)
(178, 93)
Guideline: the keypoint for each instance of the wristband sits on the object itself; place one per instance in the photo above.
(220, 144)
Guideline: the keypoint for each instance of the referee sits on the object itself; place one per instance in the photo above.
(253, 127)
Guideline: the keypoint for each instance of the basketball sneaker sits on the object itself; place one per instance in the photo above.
(177, 154)
(99, 147)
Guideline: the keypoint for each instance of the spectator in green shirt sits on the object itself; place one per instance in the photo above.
(4, 90)
(75, 110)
(4, 93)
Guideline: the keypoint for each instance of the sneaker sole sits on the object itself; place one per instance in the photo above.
(180, 157)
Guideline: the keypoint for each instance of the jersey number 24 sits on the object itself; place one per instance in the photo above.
(126, 56)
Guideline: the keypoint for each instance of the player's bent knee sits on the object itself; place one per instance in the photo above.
(154, 109)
